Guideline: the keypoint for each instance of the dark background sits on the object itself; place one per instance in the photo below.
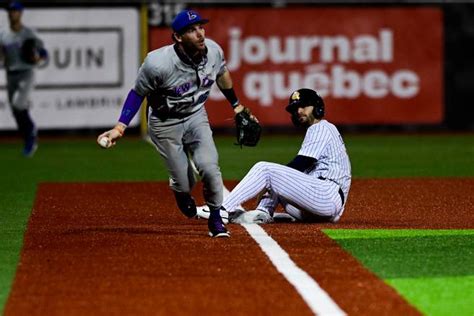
(458, 48)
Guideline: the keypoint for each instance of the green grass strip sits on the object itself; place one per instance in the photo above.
(433, 269)
(387, 233)
(438, 296)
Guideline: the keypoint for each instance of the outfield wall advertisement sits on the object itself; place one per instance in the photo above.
(371, 65)
(93, 61)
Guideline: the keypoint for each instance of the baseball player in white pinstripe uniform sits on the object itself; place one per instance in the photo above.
(176, 80)
(314, 186)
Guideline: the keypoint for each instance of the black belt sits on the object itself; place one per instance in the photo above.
(164, 115)
(341, 194)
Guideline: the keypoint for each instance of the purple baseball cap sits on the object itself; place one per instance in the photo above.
(186, 18)
(15, 6)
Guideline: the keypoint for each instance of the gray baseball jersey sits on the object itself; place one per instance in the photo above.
(11, 43)
(173, 85)
(176, 90)
(303, 195)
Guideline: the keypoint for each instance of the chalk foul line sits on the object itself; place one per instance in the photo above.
(317, 299)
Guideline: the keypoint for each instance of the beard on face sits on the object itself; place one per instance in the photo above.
(307, 120)
(302, 121)
(193, 49)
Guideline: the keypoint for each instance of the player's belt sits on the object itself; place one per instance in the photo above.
(164, 115)
(341, 194)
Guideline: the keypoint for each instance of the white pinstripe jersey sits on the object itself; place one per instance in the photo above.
(324, 143)
(181, 87)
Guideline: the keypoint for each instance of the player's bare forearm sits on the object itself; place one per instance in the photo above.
(224, 81)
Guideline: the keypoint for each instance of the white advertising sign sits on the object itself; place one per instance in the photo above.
(93, 61)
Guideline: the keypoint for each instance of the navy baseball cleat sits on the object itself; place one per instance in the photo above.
(31, 145)
(215, 224)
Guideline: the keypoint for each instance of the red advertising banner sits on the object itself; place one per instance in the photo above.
(371, 65)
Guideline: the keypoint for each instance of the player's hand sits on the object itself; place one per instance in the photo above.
(239, 108)
(113, 135)
(247, 127)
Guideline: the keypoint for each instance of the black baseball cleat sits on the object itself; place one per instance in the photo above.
(186, 203)
(216, 226)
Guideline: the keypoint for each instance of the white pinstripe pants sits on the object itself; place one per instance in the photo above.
(303, 196)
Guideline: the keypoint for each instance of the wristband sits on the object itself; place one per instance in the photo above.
(131, 106)
(230, 96)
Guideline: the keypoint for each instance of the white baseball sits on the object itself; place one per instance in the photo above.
(104, 142)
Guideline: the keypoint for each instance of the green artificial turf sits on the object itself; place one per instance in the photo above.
(81, 160)
(433, 269)
(372, 156)
(412, 156)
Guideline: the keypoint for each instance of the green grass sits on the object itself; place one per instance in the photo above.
(439, 296)
(135, 160)
(433, 269)
(413, 156)
(374, 156)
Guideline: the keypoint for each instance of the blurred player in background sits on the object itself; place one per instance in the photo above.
(312, 187)
(21, 50)
(176, 80)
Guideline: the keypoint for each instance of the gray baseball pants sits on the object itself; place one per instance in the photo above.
(20, 85)
(177, 141)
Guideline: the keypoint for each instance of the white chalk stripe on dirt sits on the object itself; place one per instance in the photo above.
(317, 299)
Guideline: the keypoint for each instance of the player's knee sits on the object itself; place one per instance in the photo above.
(262, 167)
(179, 183)
(209, 170)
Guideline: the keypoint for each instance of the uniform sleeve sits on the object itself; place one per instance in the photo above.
(315, 141)
(302, 163)
(147, 78)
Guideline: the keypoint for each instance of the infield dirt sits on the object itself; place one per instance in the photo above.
(124, 248)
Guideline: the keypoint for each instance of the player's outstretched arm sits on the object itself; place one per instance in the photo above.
(247, 126)
(130, 108)
(224, 82)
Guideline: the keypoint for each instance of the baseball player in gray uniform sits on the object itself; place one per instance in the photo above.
(20, 72)
(176, 80)
(314, 186)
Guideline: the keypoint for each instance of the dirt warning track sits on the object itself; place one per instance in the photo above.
(124, 248)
